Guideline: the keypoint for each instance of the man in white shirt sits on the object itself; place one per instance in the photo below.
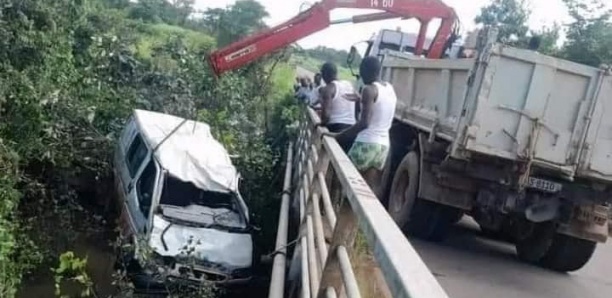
(337, 112)
(371, 147)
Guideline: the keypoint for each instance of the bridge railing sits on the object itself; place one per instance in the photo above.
(334, 204)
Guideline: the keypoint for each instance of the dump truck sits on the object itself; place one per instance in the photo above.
(520, 141)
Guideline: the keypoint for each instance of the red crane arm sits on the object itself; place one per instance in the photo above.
(317, 18)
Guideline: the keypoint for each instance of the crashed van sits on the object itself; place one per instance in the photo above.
(179, 203)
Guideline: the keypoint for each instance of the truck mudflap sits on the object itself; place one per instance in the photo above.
(588, 222)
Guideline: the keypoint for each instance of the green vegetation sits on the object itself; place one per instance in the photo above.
(589, 35)
(312, 59)
(314, 65)
(71, 71)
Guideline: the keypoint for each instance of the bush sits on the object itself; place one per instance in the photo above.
(71, 73)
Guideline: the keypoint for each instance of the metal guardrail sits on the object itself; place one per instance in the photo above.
(337, 201)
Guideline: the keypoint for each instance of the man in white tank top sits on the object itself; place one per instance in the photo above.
(371, 147)
(337, 112)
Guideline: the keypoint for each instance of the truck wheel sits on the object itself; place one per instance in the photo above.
(423, 219)
(549, 249)
(535, 241)
(568, 253)
(404, 189)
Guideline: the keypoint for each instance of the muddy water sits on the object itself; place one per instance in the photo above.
(100, 259)
(93, 242)
(96, 247)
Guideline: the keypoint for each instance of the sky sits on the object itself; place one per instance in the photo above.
(342, 36)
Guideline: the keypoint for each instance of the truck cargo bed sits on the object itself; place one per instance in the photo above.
(512, 104)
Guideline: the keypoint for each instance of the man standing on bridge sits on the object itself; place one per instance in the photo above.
(315, 94)
(371, 147)
(337, 112)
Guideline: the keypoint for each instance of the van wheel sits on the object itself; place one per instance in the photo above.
(549, 249)
(423, 219)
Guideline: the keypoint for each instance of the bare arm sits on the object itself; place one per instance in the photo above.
(327, 95)
(368, 96)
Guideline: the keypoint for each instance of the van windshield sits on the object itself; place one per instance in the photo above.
(201, 206)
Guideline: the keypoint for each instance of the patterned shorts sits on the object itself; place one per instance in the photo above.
(368, 155)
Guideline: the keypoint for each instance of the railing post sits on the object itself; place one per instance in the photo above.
(327, 272)
(344, 235)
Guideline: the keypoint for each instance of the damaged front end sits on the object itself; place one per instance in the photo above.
(181, 209)
(195, 237)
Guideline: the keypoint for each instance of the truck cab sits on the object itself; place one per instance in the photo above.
(402, 44)
(399, 42)
(394, 40)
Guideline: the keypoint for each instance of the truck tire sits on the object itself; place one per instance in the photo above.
(423, 219)
(568, 253)
(385, 183)
(404, 189)
(551, 250)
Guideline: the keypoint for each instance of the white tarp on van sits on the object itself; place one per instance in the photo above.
(190, 153)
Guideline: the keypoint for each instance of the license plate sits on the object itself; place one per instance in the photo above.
(543, 185)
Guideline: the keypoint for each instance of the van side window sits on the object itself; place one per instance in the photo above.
(135, 155)
(145, 186)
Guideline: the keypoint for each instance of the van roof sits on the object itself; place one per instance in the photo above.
(190, 152)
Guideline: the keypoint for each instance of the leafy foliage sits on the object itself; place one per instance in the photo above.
(71, 71)
(17, 254)
(510, 16)
(589, 36)
(72, 268)
(330, 55)
(174, 12)
(549, 37)
(239, 20)
(312, 59)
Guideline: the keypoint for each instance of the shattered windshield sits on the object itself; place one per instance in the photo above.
(201, 206)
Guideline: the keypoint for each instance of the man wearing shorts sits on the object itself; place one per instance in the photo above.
(371, 147)
(337, 111)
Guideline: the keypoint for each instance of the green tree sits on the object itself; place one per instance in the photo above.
(549, 37)
(243, 18)
(510, 16)
(120, 4)
(176, 12)
(330, 55)
(182, 10)
(71, 71)
(589, 36)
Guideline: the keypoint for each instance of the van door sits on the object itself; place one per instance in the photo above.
(133, 161)
(142, 195)
(136, 157)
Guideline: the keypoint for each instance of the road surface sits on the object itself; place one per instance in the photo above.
(469, 265)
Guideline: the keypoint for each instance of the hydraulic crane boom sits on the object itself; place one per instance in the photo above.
(317, 18)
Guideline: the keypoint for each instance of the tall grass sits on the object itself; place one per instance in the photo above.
(314, 65)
